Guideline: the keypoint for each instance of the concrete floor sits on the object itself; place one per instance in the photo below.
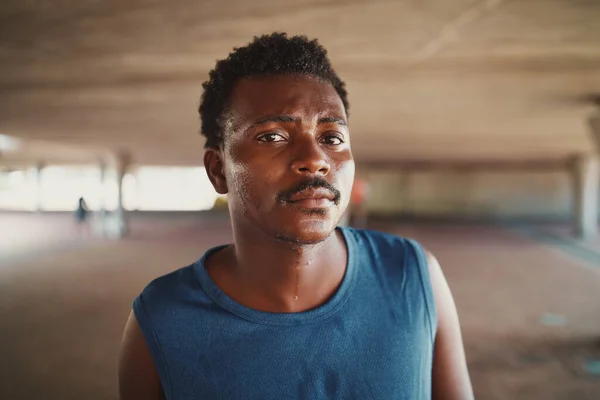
(530, 309)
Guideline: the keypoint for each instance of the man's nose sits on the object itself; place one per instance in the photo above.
(310, 159)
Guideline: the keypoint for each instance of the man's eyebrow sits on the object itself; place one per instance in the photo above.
(289, 118)
(275, 118)
(332, 120)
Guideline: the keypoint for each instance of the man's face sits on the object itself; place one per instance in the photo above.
(286, 157)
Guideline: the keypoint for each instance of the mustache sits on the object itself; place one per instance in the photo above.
(311, 183)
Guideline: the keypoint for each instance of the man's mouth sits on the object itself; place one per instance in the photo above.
(312, 194)
(313, 198)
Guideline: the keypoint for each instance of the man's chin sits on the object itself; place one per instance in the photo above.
(300, 241)
(306, 235)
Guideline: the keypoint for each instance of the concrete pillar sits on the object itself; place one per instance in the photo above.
(586, 183)
(101, 183)
(38, 171)
(594, 122)
(101, 221)
(123, 160)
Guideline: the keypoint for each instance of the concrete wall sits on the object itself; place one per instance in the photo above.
(477, 194)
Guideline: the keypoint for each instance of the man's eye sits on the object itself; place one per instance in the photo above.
(333, 140)
(271, 137)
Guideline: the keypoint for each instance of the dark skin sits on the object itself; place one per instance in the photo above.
(282, 132)
(285, 258)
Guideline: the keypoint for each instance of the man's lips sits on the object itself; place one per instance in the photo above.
(312, 203)
(313, 197)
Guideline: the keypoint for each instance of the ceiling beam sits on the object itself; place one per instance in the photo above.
(541, 165)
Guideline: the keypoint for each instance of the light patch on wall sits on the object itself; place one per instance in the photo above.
(8, 143)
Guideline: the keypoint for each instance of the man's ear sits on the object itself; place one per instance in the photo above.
(213, 162)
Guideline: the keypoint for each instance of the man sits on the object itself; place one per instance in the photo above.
(295, 308)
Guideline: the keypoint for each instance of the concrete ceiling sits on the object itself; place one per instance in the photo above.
(433, 79)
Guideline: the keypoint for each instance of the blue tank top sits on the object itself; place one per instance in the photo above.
(373, 339)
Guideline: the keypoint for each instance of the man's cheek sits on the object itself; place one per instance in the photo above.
(243, 182)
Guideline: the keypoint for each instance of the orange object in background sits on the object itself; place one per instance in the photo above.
(360, 191)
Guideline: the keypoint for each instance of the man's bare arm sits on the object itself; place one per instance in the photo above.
(450, 378)
(138, 378)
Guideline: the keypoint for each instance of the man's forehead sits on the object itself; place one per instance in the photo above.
(285, 95)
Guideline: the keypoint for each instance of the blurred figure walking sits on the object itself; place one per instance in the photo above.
(82, 218)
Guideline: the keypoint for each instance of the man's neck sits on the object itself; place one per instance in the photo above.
(269, 275)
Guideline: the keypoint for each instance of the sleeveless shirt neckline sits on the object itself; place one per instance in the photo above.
(282, 319)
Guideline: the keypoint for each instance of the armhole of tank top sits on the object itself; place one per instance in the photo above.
(145, 323)
(423, 267)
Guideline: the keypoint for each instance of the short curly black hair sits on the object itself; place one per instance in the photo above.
(274, 54)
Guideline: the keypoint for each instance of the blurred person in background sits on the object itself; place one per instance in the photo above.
(82, 218)
(295, 307)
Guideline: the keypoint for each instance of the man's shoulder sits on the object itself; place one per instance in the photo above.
(170, 288)
(379, 239)
(387, 248)
(177, 277)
